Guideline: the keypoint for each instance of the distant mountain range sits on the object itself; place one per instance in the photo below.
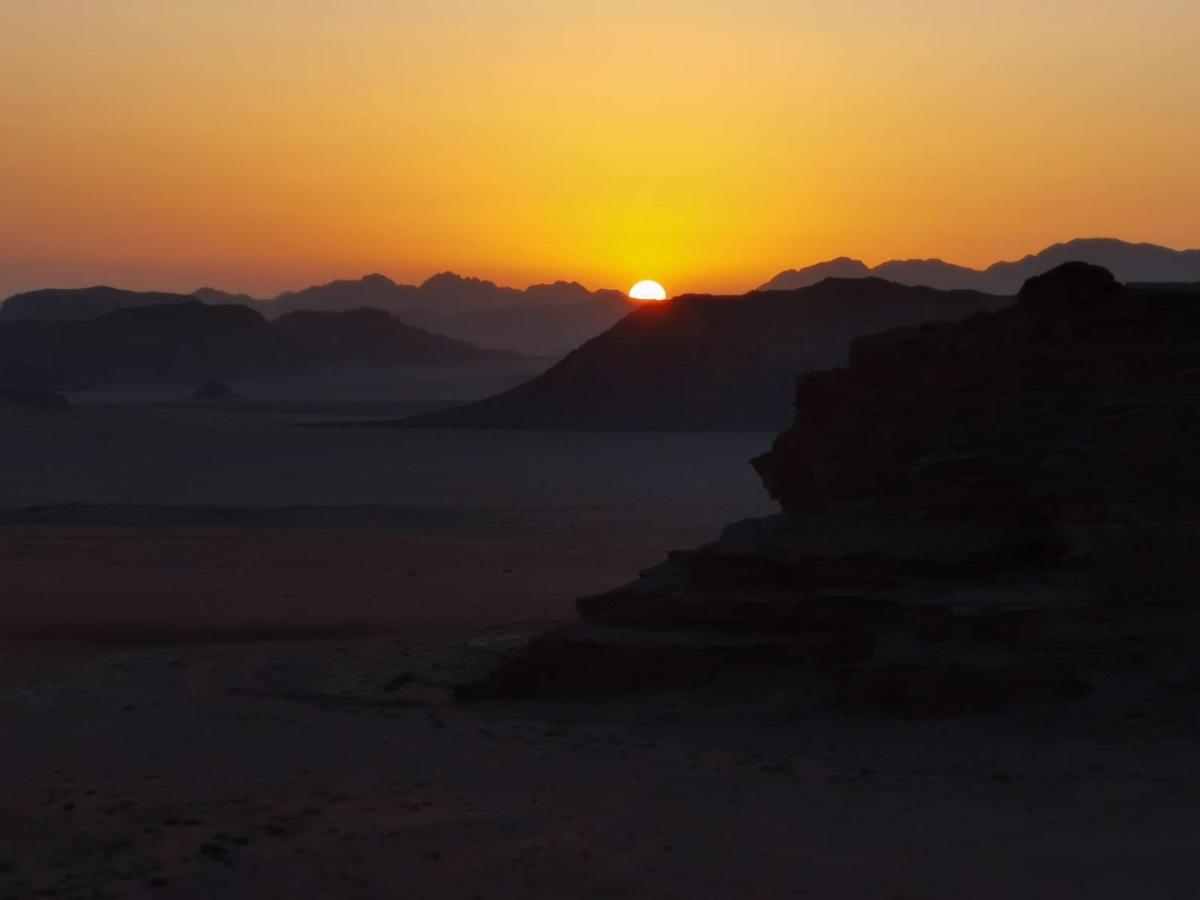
(74, 304)
(372, 338)
(1128, 263)
(534, 327)
(705, 362)
(554, 319)
(173, 342)
(189, 341)
(543, 320)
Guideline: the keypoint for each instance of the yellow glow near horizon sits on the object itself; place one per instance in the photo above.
(648, 291)
(270, 145)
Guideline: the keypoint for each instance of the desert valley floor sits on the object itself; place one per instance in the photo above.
(305, 602)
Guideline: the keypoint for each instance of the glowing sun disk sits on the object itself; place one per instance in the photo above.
(648, 290)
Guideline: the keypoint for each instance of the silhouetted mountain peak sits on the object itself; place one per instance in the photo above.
(216, 295)
(60, 305)
(453, 281)
(1069, 281)
(710, 362)
(373, 281)
(1128, 262)
(792, 279)
(545, 319)
(929, 262)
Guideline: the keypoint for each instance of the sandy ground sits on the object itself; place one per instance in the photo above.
(346, 768)
(228, 648)
(188, 582)
(176, 521)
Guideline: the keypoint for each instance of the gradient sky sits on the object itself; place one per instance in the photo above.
(267, 144)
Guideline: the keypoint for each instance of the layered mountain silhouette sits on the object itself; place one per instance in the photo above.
(543, 320)
(1128, 263)
(374, 291)
(553, 319)
(372, 338)
(709, 362)
(191, 341)
(536, 326)
(176, 342)
(215, 297)
(54, 305)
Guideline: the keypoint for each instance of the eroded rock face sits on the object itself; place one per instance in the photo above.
(973, 514)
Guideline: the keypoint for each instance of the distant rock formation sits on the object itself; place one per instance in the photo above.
(215, 390)
(371, 338)
(794, 279)
(554, 320)
(1128, 263)
(544, 320)
(188, 342)
(179, 342)
(214, 297)
(973, 515)
(702, 362)
(374, 291)
(84, 303)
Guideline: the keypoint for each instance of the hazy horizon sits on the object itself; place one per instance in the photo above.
(172, 283)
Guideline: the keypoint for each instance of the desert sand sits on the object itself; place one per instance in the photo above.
(236, 673)
(347, 768)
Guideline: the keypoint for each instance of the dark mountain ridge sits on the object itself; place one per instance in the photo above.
(192, 341)
(72, 304)
(975, 516)
(708, 362)
(1127, 261)
(543, 320)
(372, 338)
(176, 342)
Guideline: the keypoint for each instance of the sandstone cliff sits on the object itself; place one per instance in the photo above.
(973, 514)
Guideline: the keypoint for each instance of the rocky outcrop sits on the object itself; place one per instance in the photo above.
(973, 515)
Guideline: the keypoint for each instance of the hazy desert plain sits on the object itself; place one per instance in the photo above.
(235, 671)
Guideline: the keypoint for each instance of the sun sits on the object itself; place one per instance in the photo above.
(649, 291)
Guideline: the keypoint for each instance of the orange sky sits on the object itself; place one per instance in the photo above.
(270, 144)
